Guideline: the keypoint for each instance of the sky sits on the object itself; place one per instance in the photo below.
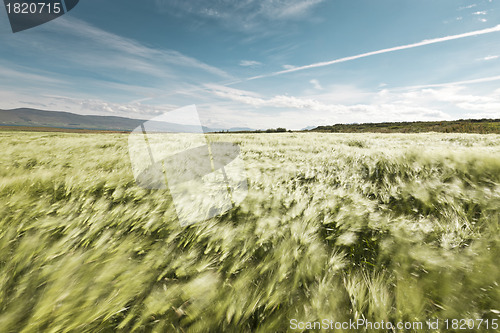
(260, 63)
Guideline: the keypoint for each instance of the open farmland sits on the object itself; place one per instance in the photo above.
(343, 227)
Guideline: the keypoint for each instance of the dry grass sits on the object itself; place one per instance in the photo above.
(336, 226)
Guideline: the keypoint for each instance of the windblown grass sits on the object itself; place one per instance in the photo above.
(380, 227)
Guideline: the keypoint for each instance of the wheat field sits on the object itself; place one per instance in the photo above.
(392, 227)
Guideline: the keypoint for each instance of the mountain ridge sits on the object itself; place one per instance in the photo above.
(36, 118)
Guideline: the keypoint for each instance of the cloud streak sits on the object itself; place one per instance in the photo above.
(247, 16)
(250, 63)
(131, 48)
(448, 84)
(382, 51)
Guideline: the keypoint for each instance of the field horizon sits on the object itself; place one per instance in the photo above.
(25, 119)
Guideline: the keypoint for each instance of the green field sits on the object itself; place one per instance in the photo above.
(392, 227)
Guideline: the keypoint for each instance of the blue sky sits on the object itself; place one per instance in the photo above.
(261, 63)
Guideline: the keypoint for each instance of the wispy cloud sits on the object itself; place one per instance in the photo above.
(382, 51)
(131, 47)
(287, 8)
(22, 75)
(490, 57)
(108, 66)
(250, 63)
(384, 111)
(448, 84)
(467, 7)
(97, 106)
(246, 15)
(96, 53)
(316, 84)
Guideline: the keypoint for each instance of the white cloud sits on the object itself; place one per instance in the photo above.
(483, 12)
(287, 8)
(491, 57)
(316, 84)
(468, 7)
(392, 49)
(452, 97)
(279, 101)
(451, 94)
(211, 12)
(230, 107)
(317, 112)
(492, 108)
(250, 63)
(446, 101)
(299, 118)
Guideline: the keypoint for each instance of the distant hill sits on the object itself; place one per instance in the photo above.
(40, 118)
(33, 118)
(482, 126)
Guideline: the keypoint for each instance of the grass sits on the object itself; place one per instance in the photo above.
(343, 227)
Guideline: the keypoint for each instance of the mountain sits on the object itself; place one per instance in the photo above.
(25, 117)
(40, 118)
